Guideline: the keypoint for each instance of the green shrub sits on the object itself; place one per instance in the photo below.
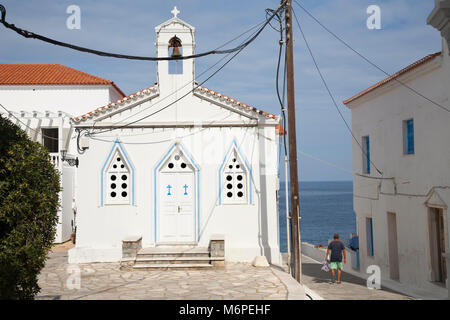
(29, 201)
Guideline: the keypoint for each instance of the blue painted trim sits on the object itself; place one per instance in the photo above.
(154, 185)
(249, 182)
(116, 143)
(198, 189)
(132, 171)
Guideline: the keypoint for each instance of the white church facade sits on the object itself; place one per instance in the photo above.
(177, 164)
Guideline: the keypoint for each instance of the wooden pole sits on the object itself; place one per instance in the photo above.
(296, 250)
(288, 215)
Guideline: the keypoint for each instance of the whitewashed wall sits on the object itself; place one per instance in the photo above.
(380, 115)
(74, 100)
(249, 230)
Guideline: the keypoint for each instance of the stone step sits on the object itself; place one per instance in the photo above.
(156, 266)
(173, 255)
(177, 251)
(140, 259)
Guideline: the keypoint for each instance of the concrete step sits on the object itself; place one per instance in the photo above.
(157, 266)
(173, 252)
(172, 255)
(178, 260)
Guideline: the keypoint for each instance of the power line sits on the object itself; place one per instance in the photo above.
(170, 104)
(198, 85)
(329, 92)
(370, 62)
(32, 35)
(189, 82)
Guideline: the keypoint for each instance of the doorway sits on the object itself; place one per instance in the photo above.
(394, 269)
(437, 245)
(176, 190)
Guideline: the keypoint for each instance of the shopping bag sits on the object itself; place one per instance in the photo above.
(326, 266)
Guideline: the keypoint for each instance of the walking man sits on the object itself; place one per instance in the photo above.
(337, 249)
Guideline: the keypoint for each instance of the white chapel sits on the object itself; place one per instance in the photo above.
(176, 165)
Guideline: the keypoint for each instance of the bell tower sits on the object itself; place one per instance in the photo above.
(175, 38)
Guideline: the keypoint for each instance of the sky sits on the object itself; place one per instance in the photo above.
(128, 27)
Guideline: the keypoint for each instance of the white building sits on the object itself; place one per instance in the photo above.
(177, 165)
(41, 99)
(402, 211)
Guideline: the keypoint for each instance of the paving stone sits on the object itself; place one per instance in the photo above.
(107, 281)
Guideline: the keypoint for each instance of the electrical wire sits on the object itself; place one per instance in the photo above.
(32, 35)
(370, 62)
(189, 82)
(330, 94)
(189, 92)
(170, 104)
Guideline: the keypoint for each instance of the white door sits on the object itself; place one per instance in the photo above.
(176, 223)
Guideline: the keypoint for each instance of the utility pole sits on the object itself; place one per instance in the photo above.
(295, 221)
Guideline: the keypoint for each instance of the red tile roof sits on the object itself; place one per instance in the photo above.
(154, 90)
(394, 76)
(279, 130)
(235, 102)
(112, 105)
(48, 74)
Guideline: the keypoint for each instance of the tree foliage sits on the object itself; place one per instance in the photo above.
(29, 201)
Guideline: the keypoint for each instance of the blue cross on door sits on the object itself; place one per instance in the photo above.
(185, 189)
(168, 190)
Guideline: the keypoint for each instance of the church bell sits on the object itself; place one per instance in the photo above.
(175, 52)
(175, 44)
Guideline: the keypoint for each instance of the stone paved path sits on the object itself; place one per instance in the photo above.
(107, 281)
(351, 288)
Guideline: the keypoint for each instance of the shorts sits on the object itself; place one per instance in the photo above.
(336, 265)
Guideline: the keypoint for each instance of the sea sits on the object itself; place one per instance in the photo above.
(326, 208)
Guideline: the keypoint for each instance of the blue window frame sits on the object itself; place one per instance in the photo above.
(408, 129)
(366, 154)
(369, 236)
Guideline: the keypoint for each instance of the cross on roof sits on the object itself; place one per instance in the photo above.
(175, 12)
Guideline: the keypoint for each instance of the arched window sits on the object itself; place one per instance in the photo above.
(234, 179)
(117, 178)
(175, 51)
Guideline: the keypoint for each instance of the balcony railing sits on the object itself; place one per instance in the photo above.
(55, 159)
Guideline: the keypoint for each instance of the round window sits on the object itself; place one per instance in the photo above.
(124, 177)
(240, 194)
(113, 194)
(229, 186)
(124, 185)
(113, 185)
(183, 165)
(229, 194)
(170, 165)
(113, 177)
(124, 194)
(239, 185)
(239, 177)
(177, 157)
(118, 159)
(229, 178)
